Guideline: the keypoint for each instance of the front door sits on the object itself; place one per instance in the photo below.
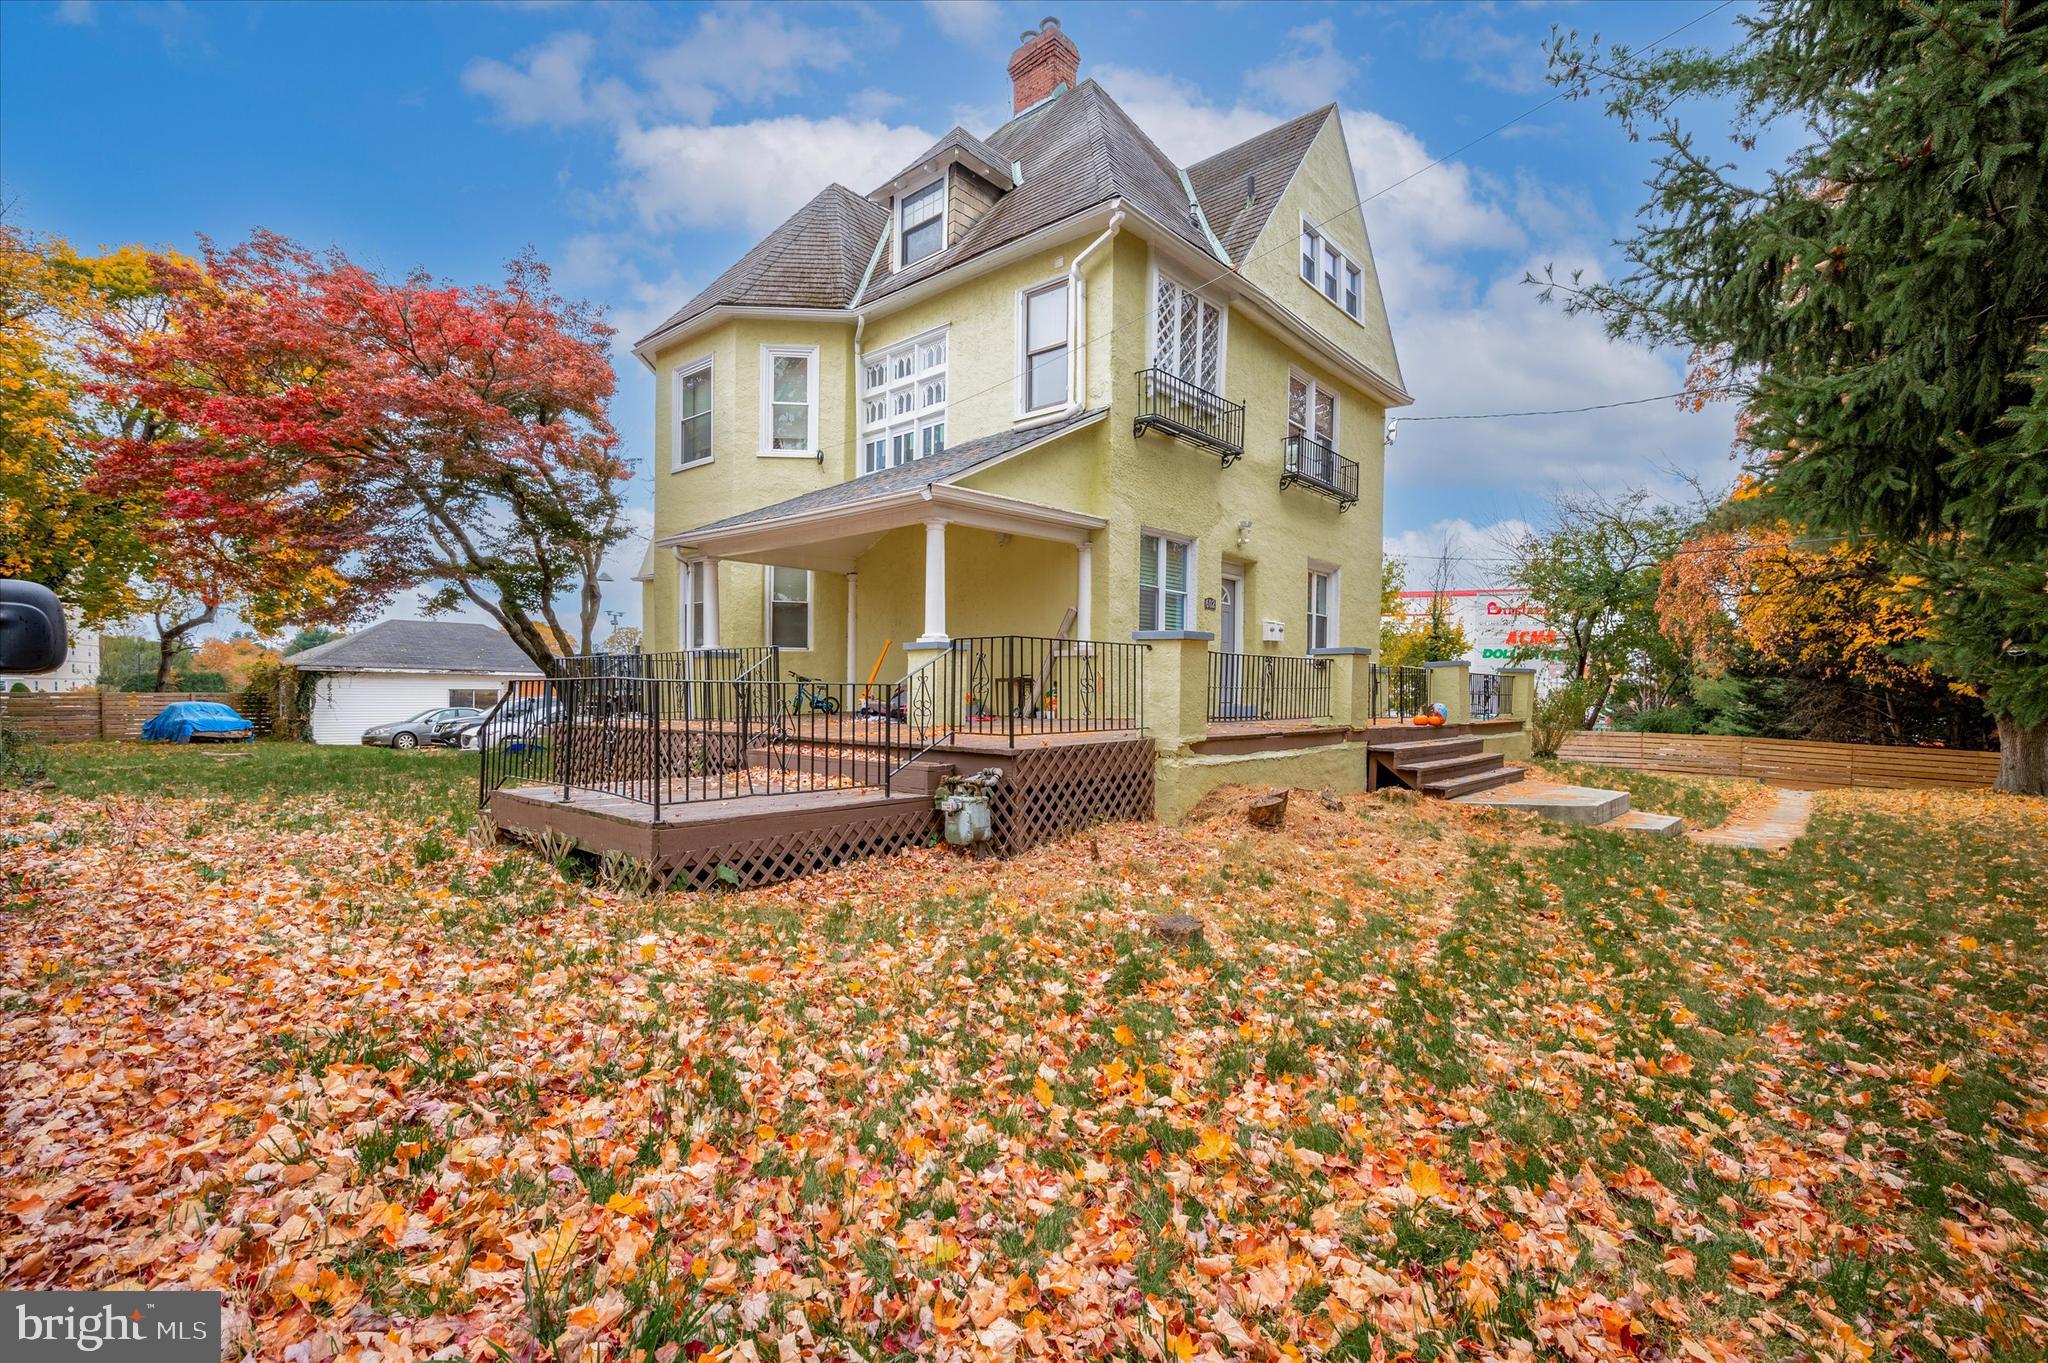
(1230, 642)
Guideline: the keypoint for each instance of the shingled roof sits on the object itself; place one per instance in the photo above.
(1270, 159)
(814, 260)
(420, 646)
(1077, 150)
(986, 157)
(943, 467)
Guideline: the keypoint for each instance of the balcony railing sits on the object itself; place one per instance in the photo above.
(1259, 686)
(1186, 411)
(1319, 468)
(1028, 685)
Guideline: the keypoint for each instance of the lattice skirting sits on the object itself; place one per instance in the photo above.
(1050, 792)
(787, 853)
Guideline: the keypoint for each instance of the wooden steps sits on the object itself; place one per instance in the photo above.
(1443, 768)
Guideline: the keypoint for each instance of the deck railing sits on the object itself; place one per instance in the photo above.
(1256, 686)
(1399, 692)
(718, 724)
(1314, 465)
(1186, 410)
(1485, 695)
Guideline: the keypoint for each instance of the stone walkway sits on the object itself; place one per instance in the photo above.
(1770, 827)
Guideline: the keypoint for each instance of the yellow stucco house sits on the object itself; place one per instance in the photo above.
(1044, 382)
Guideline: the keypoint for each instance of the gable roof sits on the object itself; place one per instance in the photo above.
(986, 160)
(813, 260)
(943, 467)
(1079, 150)
(1270, 158)
(420, 646)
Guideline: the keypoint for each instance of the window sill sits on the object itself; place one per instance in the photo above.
(693, 464)
(811, 455)
(1330, 302)
(1044, 416)
(1147, 636)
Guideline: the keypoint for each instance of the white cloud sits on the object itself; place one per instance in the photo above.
(739, 53)
(966, 21)
(608, 264)
(873, 103)
(753, 175)
(1314, 74)
(547, 89)
(1477, 553)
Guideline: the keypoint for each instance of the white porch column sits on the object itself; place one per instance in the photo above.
(711, 603)
(1084, 591)
(934, 583)
(852, 650)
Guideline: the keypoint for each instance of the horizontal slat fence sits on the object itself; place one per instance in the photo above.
(80, 716)
(1788, 762)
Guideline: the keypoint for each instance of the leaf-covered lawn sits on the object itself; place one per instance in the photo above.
(1438, 1083)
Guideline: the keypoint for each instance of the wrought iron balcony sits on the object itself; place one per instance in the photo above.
(1319, 468)
(1186, 411)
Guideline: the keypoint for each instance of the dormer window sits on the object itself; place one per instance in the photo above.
(921, 222)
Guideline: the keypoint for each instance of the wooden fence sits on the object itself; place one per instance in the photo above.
(79, 716)
(1784, 762)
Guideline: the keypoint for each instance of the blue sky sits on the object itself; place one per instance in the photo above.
(640, 149)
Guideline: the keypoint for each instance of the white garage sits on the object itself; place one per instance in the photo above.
(394, 670)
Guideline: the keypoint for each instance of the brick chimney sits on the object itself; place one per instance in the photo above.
(1047, 60)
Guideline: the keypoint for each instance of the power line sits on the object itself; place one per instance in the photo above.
(1569, 411)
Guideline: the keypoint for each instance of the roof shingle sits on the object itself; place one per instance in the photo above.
(420, 646)
(1270, 158)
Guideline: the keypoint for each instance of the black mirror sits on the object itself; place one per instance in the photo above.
(31, 628)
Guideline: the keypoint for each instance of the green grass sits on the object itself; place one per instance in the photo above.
(1703, 801)
(409, 786)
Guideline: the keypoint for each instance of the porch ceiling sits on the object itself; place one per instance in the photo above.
(832, 538)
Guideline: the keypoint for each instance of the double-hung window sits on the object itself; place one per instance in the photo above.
(1164, 573)
(693, 414)
(694, 590)
(1330, 271)
(921, 224)
(789, 607)
(903, 402)
(1187, 335)
(1044, 327)
(789, 399)
(1322, 608)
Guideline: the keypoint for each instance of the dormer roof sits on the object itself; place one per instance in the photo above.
(958, 145)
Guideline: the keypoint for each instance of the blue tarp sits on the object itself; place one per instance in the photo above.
(177, 723)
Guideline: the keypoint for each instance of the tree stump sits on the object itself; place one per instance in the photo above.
(1268, 811)
(1177, 929)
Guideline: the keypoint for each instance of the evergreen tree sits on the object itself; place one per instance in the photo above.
(1879, 302)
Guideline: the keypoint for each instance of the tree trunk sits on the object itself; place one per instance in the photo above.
(2022, 757)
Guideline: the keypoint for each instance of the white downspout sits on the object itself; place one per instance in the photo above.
(1077, 316)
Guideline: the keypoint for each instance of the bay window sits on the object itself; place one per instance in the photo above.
(1044, 327)
(789, 400)
(693, 414)
(1163, 581)
(903, 402)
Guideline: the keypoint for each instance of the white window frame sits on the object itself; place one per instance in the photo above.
(769, 354)
(1187, 614)
(1152, 279)
(945, 218)
(1333, 579)
(1315, 387)
(1024, 296)
(768, 608)
(1345, 263)
(692, 572)
(921, 418)
(681, 372)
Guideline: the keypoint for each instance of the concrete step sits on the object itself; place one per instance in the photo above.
(1567, 804)
(1646, 823)
(1410, 751)
(1454, 787)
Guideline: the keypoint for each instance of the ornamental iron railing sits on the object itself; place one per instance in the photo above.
(1187, 411)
